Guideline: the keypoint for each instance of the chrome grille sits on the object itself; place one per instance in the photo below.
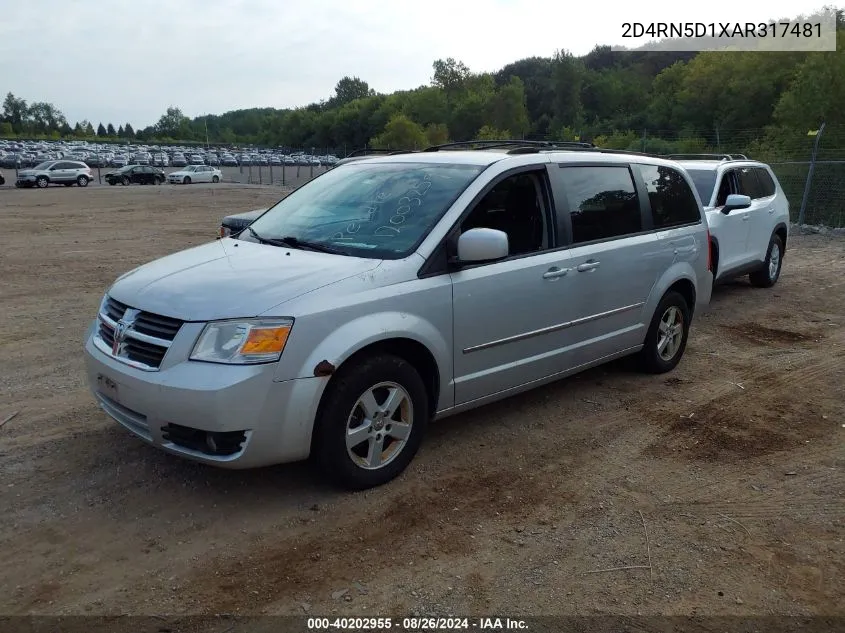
(146, 336)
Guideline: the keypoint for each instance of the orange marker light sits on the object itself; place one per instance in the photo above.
(266, 340)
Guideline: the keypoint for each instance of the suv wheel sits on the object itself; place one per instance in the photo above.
(667, 335)
(124, 181)
(371, 422)
(82, 181)
(768, 275)
(42, 182)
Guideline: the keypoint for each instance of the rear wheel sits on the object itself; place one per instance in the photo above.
(769, 274)
(82, 181)
(215, 179)
(667, 335)
(371, 422)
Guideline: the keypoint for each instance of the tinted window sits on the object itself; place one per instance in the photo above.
(602, 202)
(704, 181)
(726, 188)
(748, 183)
(767, 185)
(672, 200)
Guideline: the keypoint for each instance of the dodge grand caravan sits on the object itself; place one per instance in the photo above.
(397, 289)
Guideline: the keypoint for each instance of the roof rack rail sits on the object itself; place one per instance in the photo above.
(366, 151)
(706, 156)
(494, 143)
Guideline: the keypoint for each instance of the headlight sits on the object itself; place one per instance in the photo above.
(243, 342)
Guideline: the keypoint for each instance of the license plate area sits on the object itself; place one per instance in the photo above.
(108, 387)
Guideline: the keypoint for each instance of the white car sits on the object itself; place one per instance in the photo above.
(748, 215)
(195, 173)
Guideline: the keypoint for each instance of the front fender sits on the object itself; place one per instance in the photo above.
(355, 335)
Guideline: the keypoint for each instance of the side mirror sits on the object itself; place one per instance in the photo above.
(482, 245)
(736, 201)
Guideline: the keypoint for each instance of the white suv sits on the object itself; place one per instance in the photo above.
(748, 214)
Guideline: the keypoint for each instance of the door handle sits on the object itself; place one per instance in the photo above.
(771, 210)
(745, 218)
(555, 272)
(587, 266)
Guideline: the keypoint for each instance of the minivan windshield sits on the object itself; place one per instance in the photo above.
(704, 181)
(378, 210)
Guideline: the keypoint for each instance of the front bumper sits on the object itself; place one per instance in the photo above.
(276, 417)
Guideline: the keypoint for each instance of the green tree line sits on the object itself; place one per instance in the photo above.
(649, 100)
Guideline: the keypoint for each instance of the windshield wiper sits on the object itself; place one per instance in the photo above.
(266, 240)
(311, 246)
(294, 242)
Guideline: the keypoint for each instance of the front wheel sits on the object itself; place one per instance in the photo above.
(42, 182)
(187, 180)
(82, 181)
(667, 335)
(769, 274)
(371, 422)
(125, 181)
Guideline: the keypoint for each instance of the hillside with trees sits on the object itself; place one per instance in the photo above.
(652, 100)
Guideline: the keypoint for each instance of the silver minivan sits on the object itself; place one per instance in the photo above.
(397, 289)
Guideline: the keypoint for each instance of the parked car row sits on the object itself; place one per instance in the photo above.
(68, 173)
(23, 155)
(398, 289)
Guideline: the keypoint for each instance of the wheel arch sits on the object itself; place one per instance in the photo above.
(782, 231)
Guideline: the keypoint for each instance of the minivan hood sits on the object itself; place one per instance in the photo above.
(230, 278)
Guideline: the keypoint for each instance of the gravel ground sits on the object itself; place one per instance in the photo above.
(732, 464)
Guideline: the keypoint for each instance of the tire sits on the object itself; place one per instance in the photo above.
(187, 180)
(82, 181)
(768, 276)
(672, 311)
(41, 182)
(215, 180)
(380, 376)
(159, 181)
(125, 181)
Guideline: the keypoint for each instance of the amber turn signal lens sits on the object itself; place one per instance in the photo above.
(266, 340)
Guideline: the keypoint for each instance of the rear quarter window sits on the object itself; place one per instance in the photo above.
(671, 198)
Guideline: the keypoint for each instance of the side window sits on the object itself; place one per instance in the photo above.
(672, 201)
(767, 184)
(602, 201)
(748, 183)
(726, 188)
(516, 206)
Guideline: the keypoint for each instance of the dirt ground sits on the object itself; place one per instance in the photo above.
(733, 463)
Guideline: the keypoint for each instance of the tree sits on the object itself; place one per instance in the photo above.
(128, 132)
(88, 129)
(449, 75)
(101, 130)
(6, 129)
(120, 132)
(14, 110)
(77, 130)
(436, 133)
(348, 89)
(507, 108)
(490, 133)
(110, 130)
(567, 81)
(173, 124)
(400, 133)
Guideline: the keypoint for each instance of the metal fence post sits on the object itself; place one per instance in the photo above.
(271, 172)
(644, 137)
(810, 175)
(260, 174)
(249, 175)
(283, 174)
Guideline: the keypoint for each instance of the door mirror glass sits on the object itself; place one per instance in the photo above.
(482, 245)
(736, 201)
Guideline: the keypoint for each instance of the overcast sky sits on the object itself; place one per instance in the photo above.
(119, 61)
